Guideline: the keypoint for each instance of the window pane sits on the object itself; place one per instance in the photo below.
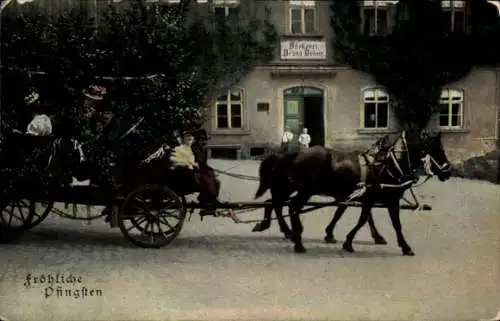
(459, 23)
(220, 12)
(222, 110)
(444, 108)
(235, 110)
(382, 114)
(382, 22)
(370, 115)
(455, 120)
(309, 21)
(222, 122)
(443, 120)
(235, 121)
(296, 21)
(447, 20)
(233, 11)
(222, 96)
(368, 21)
(455, 109)
(236, 95)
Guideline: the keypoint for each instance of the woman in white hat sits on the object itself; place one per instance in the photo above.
(40, 125)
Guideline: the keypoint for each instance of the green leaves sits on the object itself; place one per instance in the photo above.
(419, 56)
(192, 58)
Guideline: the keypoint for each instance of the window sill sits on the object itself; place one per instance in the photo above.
(302, 35)
(454, 130)
(375, 131)
(233, 132)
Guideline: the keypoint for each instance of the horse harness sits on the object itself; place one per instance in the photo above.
(372, 165)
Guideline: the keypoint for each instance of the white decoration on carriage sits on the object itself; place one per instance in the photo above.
(78, 146)
(40, 125)
(160, 152)
(31, 98)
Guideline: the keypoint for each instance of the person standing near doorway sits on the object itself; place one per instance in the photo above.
(286, 140)
(304, 140)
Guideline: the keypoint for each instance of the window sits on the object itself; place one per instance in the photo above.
(454, 15)
(225, 8)
(451, 108)
(375, 17)
(302, 17)
(375, 108)
(229, 109)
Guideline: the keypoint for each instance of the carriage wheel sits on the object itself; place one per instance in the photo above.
(151, 216)
(24, 213)
(40, 211)
(19, 215)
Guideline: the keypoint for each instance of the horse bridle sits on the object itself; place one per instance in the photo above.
(391, 155)
(427, 160)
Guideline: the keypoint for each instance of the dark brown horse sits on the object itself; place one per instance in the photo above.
(266, 172)
(320, 171)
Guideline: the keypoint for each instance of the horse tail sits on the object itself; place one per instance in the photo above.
(265, 174)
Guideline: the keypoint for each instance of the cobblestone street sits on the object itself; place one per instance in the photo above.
(218, 270)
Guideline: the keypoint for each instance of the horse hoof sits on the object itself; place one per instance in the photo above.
(257, 228)
(330, 239)
(348, 247)
(408, 252)
(380, 240)
(299, 249)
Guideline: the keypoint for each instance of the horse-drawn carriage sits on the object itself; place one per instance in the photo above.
(146, 196)
(149, 211)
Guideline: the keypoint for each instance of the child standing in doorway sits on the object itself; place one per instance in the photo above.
(304, 140)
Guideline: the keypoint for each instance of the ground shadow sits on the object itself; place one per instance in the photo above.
(54, 237)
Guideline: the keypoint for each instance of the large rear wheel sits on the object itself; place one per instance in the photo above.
(19, 215)
(151, 216)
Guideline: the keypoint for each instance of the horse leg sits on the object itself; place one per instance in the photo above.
(266, 220)
(283, 226)
(377, 238)
(363, 217)
(396, 223)
(296, 205)
(329, 238)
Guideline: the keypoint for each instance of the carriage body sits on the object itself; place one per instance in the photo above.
(33, 183)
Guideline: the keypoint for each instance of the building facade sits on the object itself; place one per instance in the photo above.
(342, 108)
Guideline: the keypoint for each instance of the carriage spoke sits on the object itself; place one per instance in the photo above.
(146, 227)
(160, 230)
(166, 222)
(141, 210)
(11, 214)
(136, 224)
(152, 234)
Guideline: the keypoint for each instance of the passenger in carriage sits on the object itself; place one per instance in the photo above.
(41, 124)
(190, 154)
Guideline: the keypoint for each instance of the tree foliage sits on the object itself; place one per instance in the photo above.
(177, 58)
(419, 56)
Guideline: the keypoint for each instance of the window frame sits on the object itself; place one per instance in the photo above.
(377, 6)
(375, 91)
(229, 102)
(302, 5)
(226, 4)
(454, 6)
(450, 102)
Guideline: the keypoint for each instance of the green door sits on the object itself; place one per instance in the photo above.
(294, 117)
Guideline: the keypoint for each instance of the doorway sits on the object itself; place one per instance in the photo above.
(303, 108)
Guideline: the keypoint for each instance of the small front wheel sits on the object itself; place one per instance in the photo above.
(151, 216)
